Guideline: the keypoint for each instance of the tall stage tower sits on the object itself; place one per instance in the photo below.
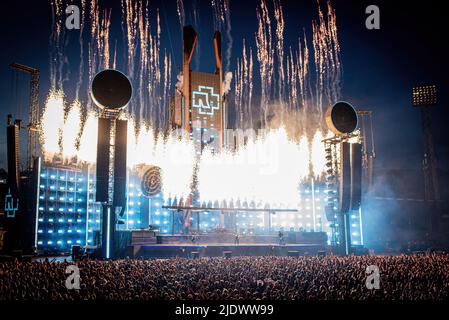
(198, 105)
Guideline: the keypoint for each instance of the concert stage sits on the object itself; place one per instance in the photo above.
(147, 245)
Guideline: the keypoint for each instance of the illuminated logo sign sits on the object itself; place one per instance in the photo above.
(11, 205)
(205, 100)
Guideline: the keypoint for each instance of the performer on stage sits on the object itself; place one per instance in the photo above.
(236, 239)
(281, 238)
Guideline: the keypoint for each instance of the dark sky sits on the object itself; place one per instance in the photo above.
(380, 66)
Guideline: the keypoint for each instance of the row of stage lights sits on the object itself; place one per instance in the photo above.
(163, 217)
(61, 242)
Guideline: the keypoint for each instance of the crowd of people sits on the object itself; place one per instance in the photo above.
(404, 277)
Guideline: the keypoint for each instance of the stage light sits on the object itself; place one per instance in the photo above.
(424, 96)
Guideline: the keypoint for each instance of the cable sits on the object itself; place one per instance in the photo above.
(372, 135)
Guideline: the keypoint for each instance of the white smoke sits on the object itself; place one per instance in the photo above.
(178, 84)
(227, 82)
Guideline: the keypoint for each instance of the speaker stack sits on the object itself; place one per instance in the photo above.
(342, 120)
(111, 91)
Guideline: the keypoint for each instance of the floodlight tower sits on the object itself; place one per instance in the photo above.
(424, 97)
(111, 91)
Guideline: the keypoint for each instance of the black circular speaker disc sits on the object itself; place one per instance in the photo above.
(341, 118)
(111, 89)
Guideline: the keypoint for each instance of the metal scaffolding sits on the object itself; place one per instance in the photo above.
(33, 125)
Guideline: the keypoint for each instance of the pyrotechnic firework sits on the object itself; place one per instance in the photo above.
(71, 131)
(52, 123)
(256, 171)
(296, 89)
(88, 142)
(292, 149)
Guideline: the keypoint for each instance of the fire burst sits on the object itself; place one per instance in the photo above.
(51, 124)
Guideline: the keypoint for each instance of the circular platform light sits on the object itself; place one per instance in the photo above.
(151, 183)
(341, 118)
(111, 89)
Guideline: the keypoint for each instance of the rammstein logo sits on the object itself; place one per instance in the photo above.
(205, 100)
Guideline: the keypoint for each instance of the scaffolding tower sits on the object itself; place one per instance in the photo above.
(33, 124)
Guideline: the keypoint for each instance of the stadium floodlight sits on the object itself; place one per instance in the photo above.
(424, 96)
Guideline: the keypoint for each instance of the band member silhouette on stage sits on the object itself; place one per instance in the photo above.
(281, 238)
(236, 239)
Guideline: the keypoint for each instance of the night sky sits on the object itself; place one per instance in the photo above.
(380, 66)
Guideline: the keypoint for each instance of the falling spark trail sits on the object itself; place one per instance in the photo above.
(81, 44)
(180, 10)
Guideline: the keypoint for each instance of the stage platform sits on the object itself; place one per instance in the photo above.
(147, 246)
